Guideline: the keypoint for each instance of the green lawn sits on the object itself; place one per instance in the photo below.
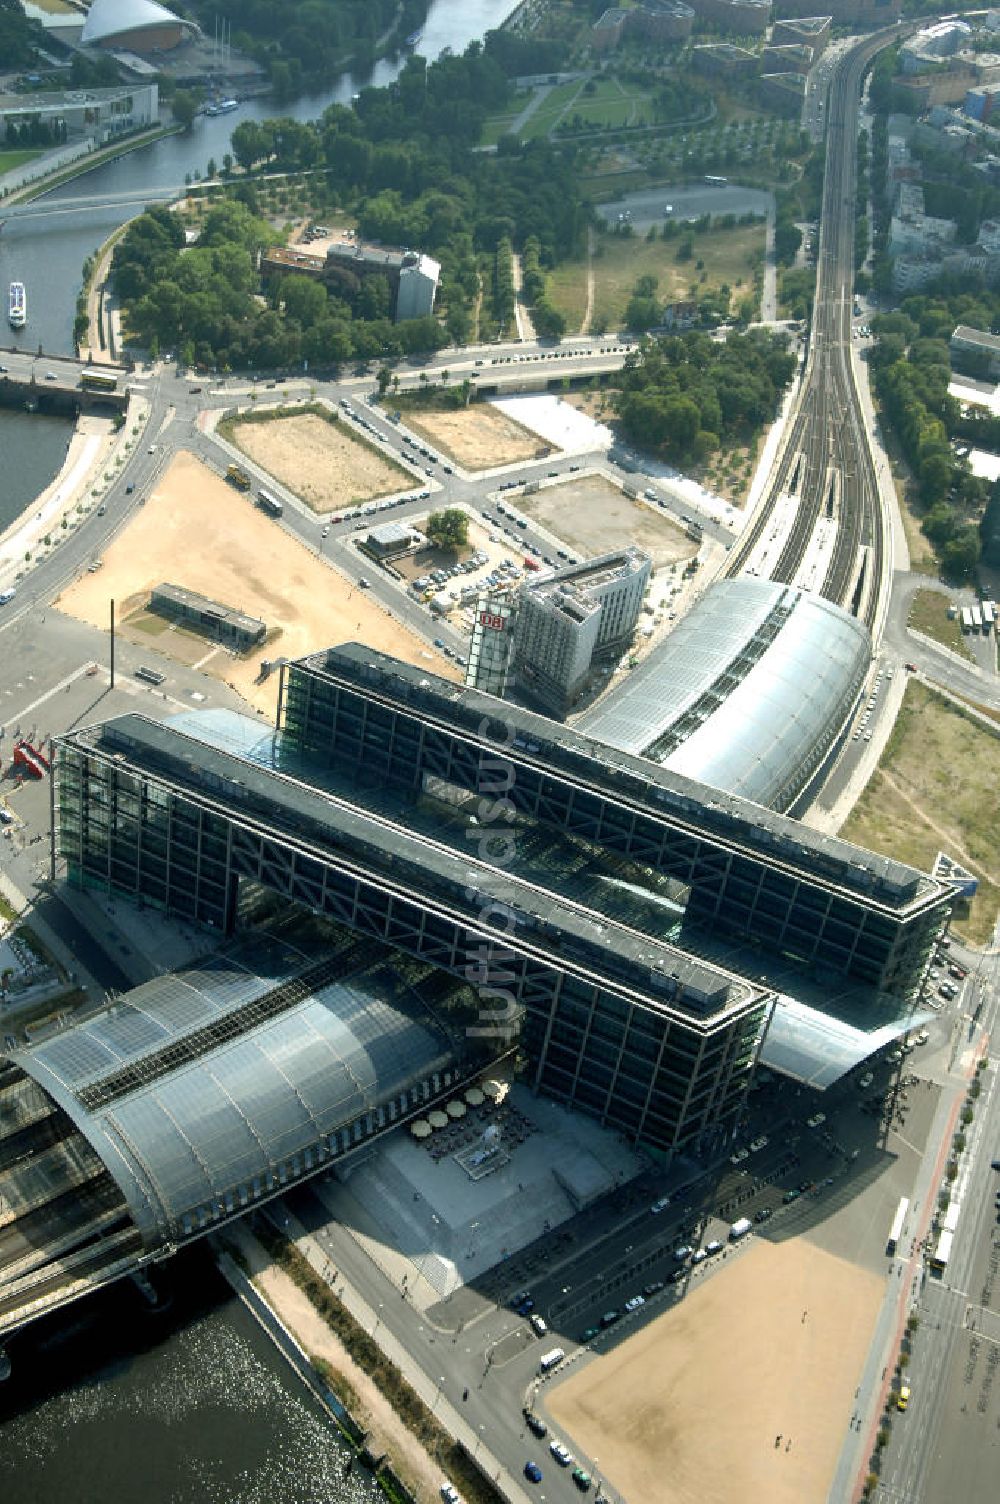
(611, 104)
(11, 159)
(929, 614)
(498, 125)
(728, 256)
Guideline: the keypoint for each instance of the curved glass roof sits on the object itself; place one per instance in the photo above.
(111, 18)
(818, 1048)
(746, 694)
(192, 1105)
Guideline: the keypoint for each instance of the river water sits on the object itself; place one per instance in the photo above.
(46, 249)
(114, 1402)
(109, 1402)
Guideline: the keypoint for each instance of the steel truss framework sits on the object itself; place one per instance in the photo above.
(791, 911)
(653, 1071)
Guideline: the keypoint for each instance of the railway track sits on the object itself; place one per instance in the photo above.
(827, 428)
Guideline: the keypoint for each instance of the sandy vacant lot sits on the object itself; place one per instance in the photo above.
(936, 788)
(687, 1410)
(323, 463)
(478, 437)
(198, 532)
(591, 516)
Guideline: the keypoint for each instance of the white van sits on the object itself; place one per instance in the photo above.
(551, 1360)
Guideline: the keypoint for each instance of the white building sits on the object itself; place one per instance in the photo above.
(74, 113)
(573, 618)
(418, 283)
(930, 46)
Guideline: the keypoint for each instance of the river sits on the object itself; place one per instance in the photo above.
(190, 1406)
(47, 250)
(107, 1401)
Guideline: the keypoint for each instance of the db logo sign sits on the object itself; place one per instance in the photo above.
(487, 619)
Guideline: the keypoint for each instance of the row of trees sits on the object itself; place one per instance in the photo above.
(548, 321)
(683, 395)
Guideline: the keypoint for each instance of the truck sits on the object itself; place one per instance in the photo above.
(966, 619)
(238, 477)
(989, 611)
(739, 1229)
(269, 503)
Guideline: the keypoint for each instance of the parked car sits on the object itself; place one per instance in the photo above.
(532, 1472)
(561, 1453)
(535, 1424)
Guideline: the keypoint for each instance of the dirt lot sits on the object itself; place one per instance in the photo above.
(936, 789)
(197, 532)
(687, 1410)
(591, 516)
(477, 438)
(323, 463)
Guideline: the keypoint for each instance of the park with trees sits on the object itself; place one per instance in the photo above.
(683, 395)
(911, 371)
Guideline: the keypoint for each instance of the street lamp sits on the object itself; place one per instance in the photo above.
(438, 1394)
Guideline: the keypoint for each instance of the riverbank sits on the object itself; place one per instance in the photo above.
(37, 186)
(381, 1430)
(412, 1418)
(94, 456)
(104, 339)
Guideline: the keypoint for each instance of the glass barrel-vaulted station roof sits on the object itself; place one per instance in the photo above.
(202, 1089)
(746, 694)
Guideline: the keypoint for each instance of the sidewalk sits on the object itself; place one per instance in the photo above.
(94, 457)
(403, 1361)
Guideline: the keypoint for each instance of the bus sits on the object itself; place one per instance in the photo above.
(966, 619)
(715, 182)
(269, 503)
(150, 675)
(896, 1232)
(942, 1253)
(98, 381)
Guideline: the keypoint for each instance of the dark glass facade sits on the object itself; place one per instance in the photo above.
(336, 716)
(663, 1055)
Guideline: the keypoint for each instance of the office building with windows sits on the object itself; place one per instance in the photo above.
(574, 619)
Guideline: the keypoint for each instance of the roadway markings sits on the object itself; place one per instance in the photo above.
(70, 679)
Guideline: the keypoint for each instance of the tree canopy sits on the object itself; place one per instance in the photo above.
(681, 394)
(448, 529)
(911, 372)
